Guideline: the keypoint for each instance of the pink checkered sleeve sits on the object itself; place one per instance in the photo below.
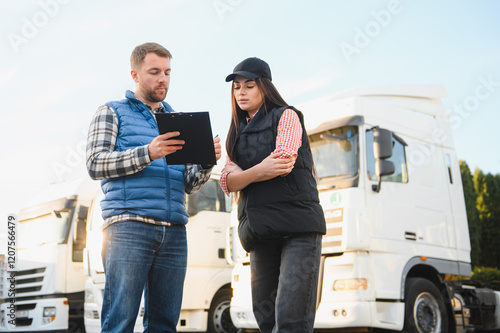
(289, 138)
(223, 178)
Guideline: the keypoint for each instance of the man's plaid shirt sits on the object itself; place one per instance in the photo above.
(103, 162)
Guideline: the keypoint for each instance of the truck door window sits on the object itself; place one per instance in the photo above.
(335, 153)
(209, 198)
(398, 157)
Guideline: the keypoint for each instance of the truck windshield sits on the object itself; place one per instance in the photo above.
(335, 153)
(44, 229)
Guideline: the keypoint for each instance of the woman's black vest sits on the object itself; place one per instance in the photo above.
(282, 205)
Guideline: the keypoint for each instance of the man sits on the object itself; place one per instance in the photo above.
(144, 245)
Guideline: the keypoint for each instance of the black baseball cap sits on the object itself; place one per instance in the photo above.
(251, 68)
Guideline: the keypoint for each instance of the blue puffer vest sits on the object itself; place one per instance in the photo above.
(156, 191)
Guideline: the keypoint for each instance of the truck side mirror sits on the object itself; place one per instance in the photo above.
(382, 150)
(384, 168)
(382, 143)
(80, 233)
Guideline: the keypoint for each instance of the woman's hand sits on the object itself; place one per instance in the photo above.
(231, 167)
(273, 166)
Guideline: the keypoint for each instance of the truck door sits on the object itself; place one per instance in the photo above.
(413, 200)
(388, 208)
(458, 226)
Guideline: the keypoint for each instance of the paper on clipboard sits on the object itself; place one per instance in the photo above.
(195, 130)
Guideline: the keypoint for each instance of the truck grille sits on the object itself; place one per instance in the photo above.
(29, 281)
(332, 241)
(25, 321)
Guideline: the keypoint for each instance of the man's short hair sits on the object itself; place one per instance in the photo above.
(139, 53)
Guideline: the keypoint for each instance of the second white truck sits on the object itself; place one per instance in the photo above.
(207, 288)
(59, 279)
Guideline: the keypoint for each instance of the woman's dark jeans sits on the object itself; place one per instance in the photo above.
(285, 282)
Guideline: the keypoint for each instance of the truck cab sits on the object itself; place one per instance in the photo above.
(49, 281)
(391, 191)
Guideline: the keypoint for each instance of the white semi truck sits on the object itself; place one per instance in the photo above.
(49, 281)
(397, 234)
(59, 278)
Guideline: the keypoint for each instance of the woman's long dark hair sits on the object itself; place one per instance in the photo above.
(272, 99)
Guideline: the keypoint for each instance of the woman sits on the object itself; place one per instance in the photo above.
(280, 219)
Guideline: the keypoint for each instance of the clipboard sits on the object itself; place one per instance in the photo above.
(195, 130)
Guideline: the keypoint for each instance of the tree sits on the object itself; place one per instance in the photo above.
(488, 204)
(480, 188)
(472, 213)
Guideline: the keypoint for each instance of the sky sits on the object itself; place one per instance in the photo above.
(61, 59)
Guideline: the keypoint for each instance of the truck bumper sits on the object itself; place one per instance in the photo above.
(386, 315)
(193, 321)
(243, 317)
(92, 318)
(30, 315)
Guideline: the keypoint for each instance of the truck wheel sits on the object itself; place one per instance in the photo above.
(219, 319)
(425, 310)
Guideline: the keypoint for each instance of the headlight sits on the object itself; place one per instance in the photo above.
(89, 296)
(91, 314)
(49, 311)
(350, 284)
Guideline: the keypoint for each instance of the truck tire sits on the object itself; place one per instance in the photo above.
(425, 310)
(219, 319)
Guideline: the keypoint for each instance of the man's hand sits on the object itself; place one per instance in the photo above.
(161, 146)
(218, 149)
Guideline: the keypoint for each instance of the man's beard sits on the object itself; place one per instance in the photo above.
(153, 96)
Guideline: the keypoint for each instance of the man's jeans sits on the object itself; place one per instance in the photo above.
(139, 256)
(284, 283)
